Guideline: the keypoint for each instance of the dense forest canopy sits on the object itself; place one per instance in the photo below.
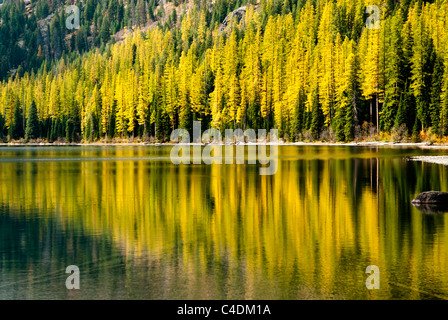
(311, 69)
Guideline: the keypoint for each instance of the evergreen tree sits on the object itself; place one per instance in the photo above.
(436, 93)
(16, 128)
(32, 123)
(70, 130)
(393, 70)
(105, 29)
(2, 127)
(443, 122)
(317, 121)
(141, 12)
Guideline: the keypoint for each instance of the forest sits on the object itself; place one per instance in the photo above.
(309, 68)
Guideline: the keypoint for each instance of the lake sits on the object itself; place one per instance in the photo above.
(140, 227)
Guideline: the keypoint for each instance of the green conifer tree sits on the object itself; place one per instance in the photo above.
(32, 123)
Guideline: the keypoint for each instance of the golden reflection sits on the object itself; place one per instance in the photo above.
(311, 229)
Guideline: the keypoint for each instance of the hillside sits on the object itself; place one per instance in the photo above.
(34, 32)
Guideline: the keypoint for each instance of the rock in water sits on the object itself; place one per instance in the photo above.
(431, 197)
(432, 202)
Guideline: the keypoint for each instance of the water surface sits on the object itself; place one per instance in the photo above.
(139, 227)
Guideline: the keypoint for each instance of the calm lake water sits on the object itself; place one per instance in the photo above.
(139, 227)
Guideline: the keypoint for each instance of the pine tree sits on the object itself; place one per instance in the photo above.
(317, 117)
(198, 93)
(326, 66)
(436, 92)
(393, 70)
(105, 30)
(420, 65)
(107, 94)
(346, 106)
(171, 93)
(70, 130)
(32, 123)
(443, 122)
(141, 12)
(130, 15)
(2, 127)
(120, 97)
(369, 72)
(16, 129)
(186, 66)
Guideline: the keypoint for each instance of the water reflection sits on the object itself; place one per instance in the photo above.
(432, 208)
(147, 229)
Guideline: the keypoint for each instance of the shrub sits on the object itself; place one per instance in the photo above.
(367, 132)
(400, 134)
(307, 136)
(328, 135)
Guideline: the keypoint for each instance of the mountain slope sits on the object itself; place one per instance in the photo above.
(310, 69)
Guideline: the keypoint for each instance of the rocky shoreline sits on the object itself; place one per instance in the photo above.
(432, 159)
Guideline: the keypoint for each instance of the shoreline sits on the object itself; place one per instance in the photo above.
(422, 145)
(443, 160)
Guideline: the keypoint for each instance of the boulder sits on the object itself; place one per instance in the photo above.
(431, 197)
(431, 202)
(238, 13)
